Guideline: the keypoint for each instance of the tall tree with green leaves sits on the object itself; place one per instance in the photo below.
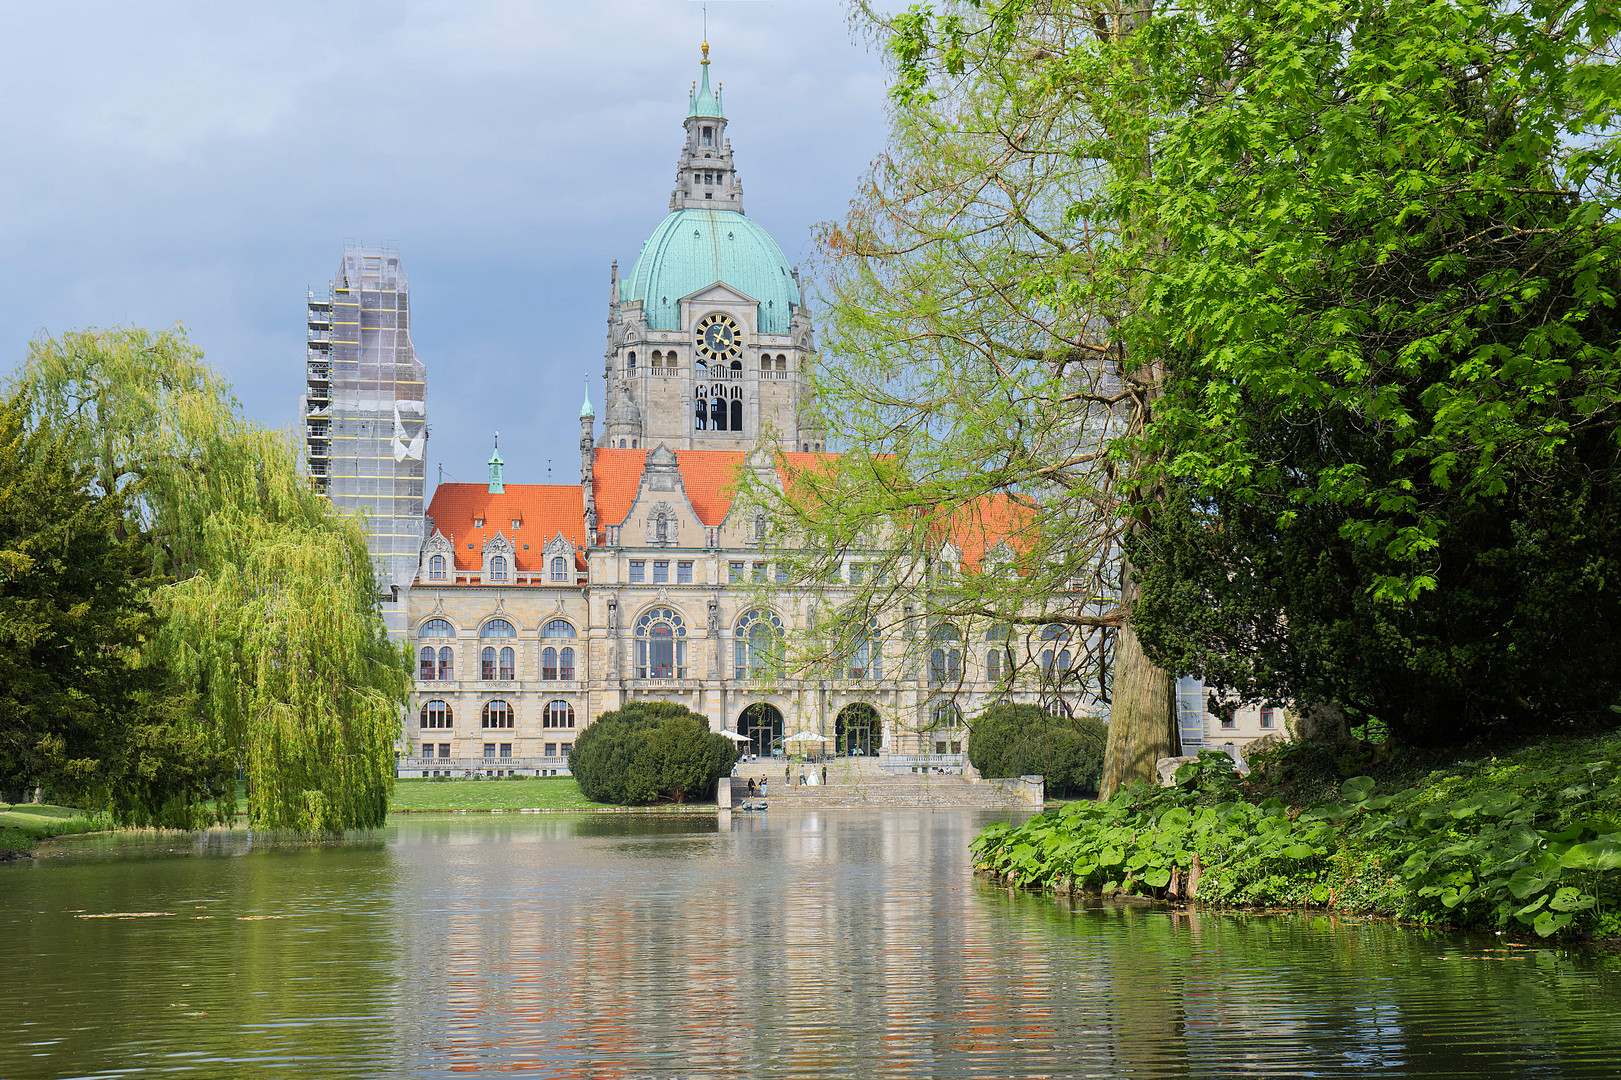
(979, 385)
(1384, 269)
(268, 612)
(86, 710)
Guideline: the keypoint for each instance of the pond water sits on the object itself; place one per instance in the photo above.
(802, 944)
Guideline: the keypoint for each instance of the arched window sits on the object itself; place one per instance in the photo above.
(559, 568)
(782, 366)
(737, 366)
(945, 714)
(661, 645)
(446, 667)
(436, 628)
(757, 644)
(497, 714)
(998, 658)
(1054, 659)
(425, 663)
(701, 413)
(658, 362)
(558, 628)
(498, 628)
(565, 662)
(436, 714)
(509, 667)
(436, 568)
(498, 568)
(557, 714)
(765, 365)
(630, 363)
(945, 654)
(717, 414)
(487, 663)
(737, 415)
(866, 661)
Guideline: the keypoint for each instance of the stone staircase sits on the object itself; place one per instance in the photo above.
(872, 791)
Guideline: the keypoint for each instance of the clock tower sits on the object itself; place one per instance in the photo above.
(708, 334)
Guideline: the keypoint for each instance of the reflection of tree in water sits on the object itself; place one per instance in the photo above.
(643, 824)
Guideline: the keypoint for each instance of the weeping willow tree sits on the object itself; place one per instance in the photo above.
(980, 391)
(266, 598)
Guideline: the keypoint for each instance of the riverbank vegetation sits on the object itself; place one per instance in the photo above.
(1527, 840)
(177, 608)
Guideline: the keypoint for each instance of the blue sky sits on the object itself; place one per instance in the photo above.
(204, 163)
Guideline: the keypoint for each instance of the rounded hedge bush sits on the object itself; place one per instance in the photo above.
(650, 752)
(1027, 740)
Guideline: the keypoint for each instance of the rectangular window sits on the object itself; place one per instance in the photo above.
(1226, 722)
(489, 749)
(683, 573)
(551, 749)
(782, 574)
(444, 750)
(956, 747)
(638, 571)
(856, 571)
(734, 573)
(1266, 718)
(759, 572)
(939, 748)
(506, 749)
(565, 748)
(661, 572)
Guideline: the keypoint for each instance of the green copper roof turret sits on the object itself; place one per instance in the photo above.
(704, 101)
(496, 486)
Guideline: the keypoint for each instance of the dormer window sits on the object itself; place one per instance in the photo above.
(498, 568)
(478, 523)
(436, 568)
(517, 523)
(559, 569)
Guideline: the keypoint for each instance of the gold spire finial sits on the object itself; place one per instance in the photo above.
(706, 52)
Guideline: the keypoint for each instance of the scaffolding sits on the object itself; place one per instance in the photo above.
(365, 412)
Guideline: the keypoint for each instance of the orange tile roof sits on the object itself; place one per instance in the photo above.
(708, 475)
(544, 510)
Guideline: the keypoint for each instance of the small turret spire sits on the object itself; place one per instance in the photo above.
(496, 486)
(586, 411)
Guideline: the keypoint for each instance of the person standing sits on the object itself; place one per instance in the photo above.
(824, 776)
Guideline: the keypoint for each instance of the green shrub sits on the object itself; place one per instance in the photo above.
(1026, 740)
(650, 752)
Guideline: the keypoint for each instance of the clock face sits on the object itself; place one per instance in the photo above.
(718, 337)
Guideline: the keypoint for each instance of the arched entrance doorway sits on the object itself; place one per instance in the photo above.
(858, 731)
(762, 724)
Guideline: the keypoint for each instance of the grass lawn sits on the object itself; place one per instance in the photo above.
(524, 793)
(24, 823)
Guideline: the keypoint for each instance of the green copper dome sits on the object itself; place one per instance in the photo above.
(693, 249)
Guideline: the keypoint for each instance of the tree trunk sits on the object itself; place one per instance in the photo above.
(1142, 708)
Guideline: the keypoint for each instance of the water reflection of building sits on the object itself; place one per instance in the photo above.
(536, 608)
